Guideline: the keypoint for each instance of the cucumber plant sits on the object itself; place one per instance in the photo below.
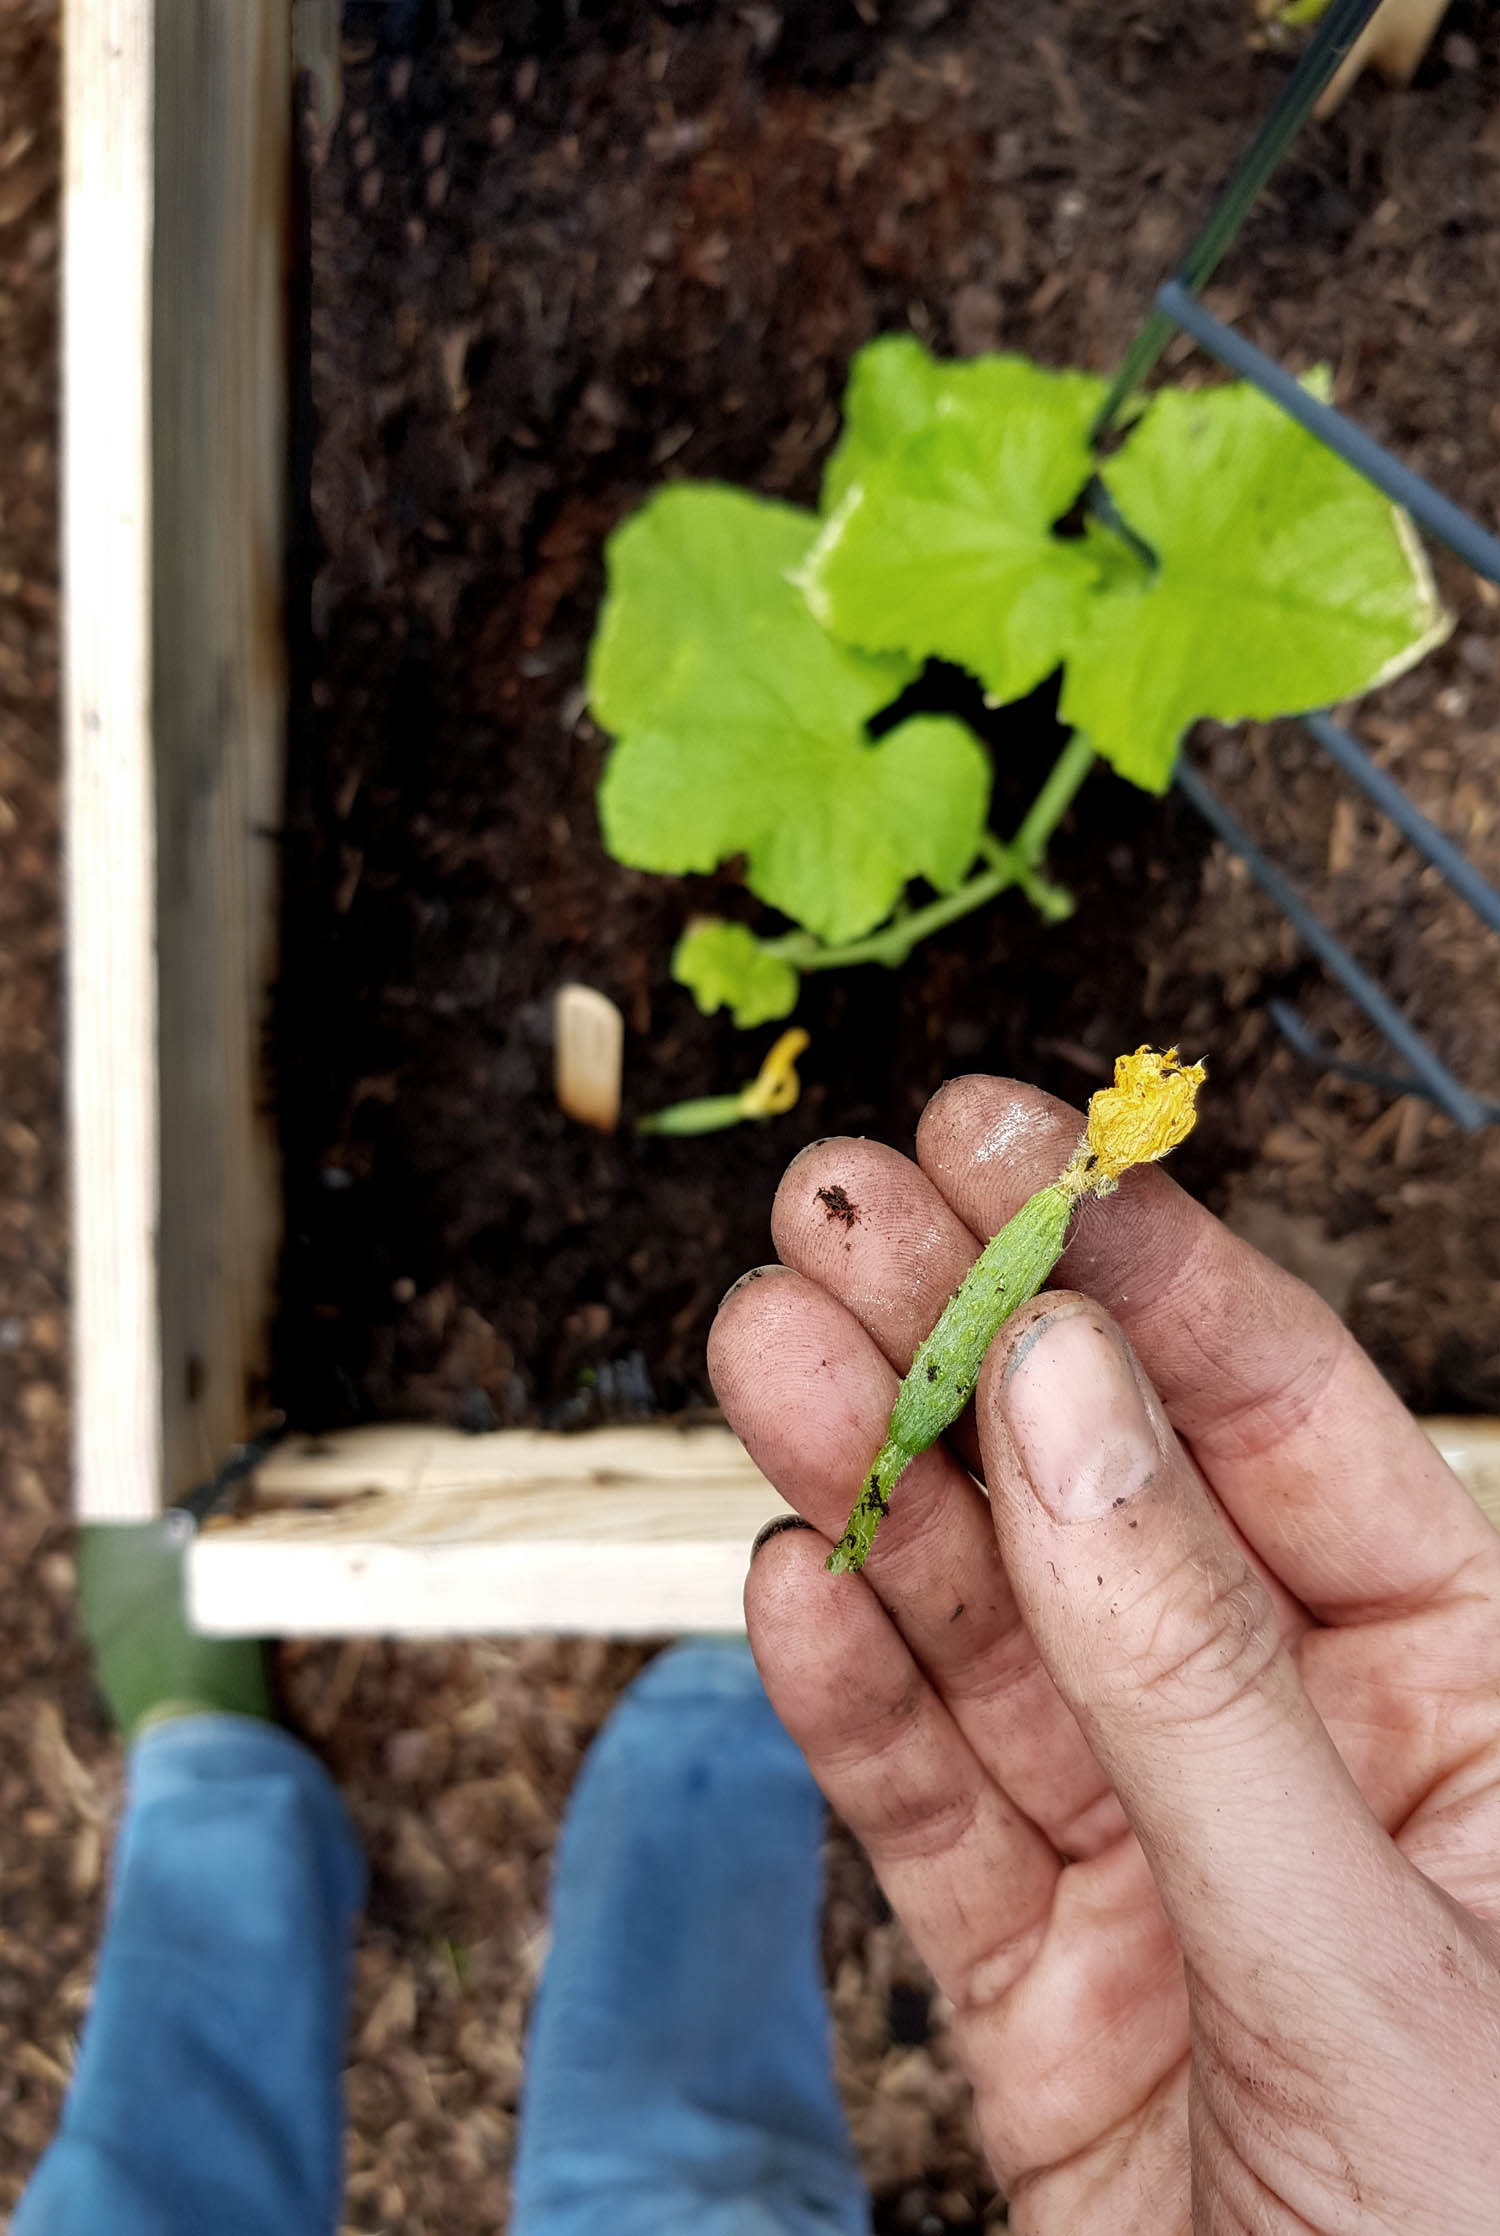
(1219, 563)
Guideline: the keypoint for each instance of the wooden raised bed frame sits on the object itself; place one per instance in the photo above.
(174, 402)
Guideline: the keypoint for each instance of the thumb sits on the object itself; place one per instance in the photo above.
(1165, 1642)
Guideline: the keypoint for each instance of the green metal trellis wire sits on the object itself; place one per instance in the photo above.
(1177, 308)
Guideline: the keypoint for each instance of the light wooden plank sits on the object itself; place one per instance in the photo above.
(423, 1462)
(111, 848)
(630, 1532)
(177, 126)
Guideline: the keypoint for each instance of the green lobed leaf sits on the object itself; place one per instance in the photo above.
(943, 494)
(891, 397)
(724, 966)
(1284, 581)
(740, 724)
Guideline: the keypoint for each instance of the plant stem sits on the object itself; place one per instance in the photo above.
(1015, 864)
(1054, 799)
(704, 1114)
(1053, 903)
(894, 942)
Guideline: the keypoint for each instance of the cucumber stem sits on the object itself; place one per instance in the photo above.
(1006, 865)
(1054, 799)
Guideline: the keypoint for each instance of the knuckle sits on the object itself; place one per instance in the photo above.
(988, 1977)
(1273, 1415)
(1207, 1638)
(915, 1826)
(872, 1736)
(898, 1794)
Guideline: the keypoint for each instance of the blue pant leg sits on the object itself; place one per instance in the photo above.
(679, 2075)
(207, 2099)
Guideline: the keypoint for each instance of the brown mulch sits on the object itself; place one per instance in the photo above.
(457, 1758)
(57, 1767)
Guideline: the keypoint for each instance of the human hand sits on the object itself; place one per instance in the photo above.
(1181, 1759)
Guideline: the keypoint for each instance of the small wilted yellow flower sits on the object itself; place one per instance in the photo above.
(774, 1089)
(1150, 1108)
(776, 1086)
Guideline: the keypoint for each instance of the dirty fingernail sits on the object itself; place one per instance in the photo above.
(1077, 1418)
(756, 1273)
(774, 1528)
(810, 1148)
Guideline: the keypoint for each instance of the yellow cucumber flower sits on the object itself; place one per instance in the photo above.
(1151, 1107)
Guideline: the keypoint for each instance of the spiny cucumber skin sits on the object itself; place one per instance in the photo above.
(870, 1509)
(1010, 1269)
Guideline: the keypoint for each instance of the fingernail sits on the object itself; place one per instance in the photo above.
(810, 1149)
(774, 1528)
(756, 1273)
(1077, 1418)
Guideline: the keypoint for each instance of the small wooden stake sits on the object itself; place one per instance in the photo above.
(590, 1047)
(1394, 41)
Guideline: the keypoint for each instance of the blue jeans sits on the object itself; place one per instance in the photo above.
(208, 2091)
(678, 2073)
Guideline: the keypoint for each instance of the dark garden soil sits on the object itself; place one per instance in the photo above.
(558, 255)
(559, 252)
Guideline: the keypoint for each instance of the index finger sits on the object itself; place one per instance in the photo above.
(1307, 1446)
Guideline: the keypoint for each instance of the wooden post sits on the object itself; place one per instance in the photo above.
(1393, 42)
(178, 123)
